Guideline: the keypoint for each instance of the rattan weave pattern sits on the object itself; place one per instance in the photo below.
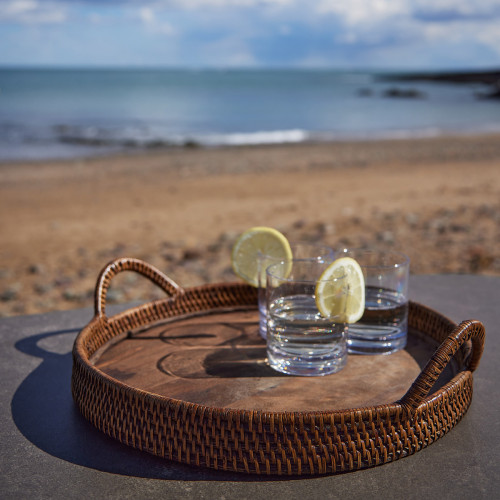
(290, 443)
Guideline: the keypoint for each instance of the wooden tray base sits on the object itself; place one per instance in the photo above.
(219, 360)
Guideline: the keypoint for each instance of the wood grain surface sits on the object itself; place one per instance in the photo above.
(219, 360)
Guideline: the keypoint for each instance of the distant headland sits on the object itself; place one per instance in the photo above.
(490, 78)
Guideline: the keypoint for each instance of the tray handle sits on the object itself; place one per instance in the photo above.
(469, 330)
(129, 264)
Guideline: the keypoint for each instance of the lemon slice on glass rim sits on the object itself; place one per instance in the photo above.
(327, 289)
(251, 244)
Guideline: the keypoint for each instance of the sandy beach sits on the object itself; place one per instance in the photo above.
(438, 200)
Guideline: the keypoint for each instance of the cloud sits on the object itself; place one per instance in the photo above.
(391, 26)
(196, 4)
(263, 32)
(149, 18)
(451, 10)
(357, 12)
(33, 12)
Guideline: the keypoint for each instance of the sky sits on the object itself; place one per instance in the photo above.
(343, 34)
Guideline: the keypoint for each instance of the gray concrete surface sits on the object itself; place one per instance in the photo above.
(49, 451)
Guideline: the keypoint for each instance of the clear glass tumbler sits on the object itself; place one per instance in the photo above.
(300, 341)
(300, 250)
(383, 328)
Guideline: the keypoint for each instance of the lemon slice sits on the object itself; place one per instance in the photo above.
(254, 242)
(327, 290)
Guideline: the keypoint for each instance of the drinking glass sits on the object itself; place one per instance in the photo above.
(383, 328)
(300, 250)
(300, 341)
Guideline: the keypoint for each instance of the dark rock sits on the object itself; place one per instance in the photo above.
(9, 294)
(191, 144)
(170, 257)
(486, 77)
(214, 247)
(62, 281)
(299, 224)
(385, 237)
(459, 228)
(42, 288)
(74, 295)
(404, 93)
(35, 269)
(191, 254)
(83, 272)
(493, 93)
(479, 259)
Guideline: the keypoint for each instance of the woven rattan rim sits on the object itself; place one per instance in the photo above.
(292, 443)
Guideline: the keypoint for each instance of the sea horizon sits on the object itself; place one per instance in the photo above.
(69, 112)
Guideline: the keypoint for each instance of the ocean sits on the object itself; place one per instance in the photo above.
(67, 113)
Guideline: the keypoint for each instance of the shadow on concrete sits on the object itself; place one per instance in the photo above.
(44, 412)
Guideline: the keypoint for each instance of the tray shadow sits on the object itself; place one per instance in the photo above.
(44, 412)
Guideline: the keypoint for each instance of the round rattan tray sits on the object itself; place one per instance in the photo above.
(185, 378)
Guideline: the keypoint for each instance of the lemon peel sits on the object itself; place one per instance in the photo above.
(352, 306)
(260, 240)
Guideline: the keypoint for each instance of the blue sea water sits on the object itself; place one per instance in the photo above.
(62, 113)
